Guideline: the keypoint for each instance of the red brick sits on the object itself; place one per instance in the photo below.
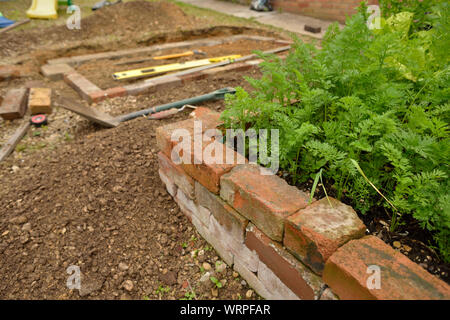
(266, 200)
(9, 72)
(305, 284)
(164, 133)
(205, 113)
(86, 89)
(97, 96)
(278, 290)
(139, 88)
(56, 71)
(206, 172)
(165, 82)
(116, 92)
(40, 100)
(401, 279)
(177, 175)
(313, 234)
(14, 104)
(192, 77)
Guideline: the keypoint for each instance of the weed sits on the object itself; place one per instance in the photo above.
(216, 282)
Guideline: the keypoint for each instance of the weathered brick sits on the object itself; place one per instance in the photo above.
(116, 92)
(313, 234)
(240, 251)
(328, 294)
(252, 280)
(224, 252)
(201, 113)
(164, 83)
(187, 206)
(192, 77)
(208, 169)
(14, 104)
(85, 88)
(233, 223)
(97, 96)
(266, 200)
(56, 71)
(9, 72)
(347, 274)
(139, 88)
(277, 289)
(199, 159)
(304, 283)
(40, 100)
(170, 185)
(178, 176)
(164, 133)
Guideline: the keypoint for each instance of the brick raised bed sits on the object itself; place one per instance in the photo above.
(282, 246)
(61, 68)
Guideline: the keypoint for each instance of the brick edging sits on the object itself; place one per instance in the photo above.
(284, 247)
(58, 69)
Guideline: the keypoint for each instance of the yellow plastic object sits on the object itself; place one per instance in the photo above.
(152, 71)
(43, 9)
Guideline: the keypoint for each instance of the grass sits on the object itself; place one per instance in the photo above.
(16, 10)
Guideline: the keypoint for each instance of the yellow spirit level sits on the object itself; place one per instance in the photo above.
(151, 71)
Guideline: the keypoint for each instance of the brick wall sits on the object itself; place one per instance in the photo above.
(283, 246)
(323, 9)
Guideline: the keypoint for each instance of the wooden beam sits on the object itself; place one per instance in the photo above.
(15, 25)
(8, 148)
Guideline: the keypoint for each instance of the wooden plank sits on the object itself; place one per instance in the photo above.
(91, 114)
(8, 148)
(15, 25)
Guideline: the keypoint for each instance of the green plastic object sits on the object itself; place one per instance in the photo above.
(215, 95)
(65, 2)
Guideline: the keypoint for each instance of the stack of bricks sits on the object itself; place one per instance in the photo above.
(282, 245)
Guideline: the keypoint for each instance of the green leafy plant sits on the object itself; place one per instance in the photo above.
(420, 8)
(377, 98)
(190, 295)
(162, 290)
(216, 282)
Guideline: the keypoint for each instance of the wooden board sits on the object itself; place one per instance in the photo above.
(8, 148)
(15, 25)
(91, 114)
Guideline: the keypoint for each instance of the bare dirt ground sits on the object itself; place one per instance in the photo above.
(97, 202)
(74, 193)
